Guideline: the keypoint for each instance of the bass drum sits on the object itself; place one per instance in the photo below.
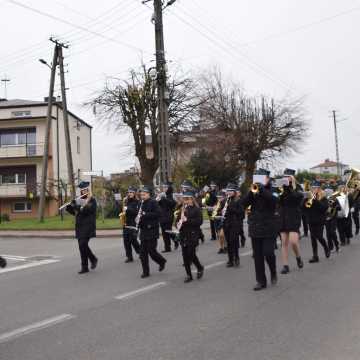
(344, 204)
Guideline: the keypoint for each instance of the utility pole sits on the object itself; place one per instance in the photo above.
(5, 80)
(336, 145)
(162, 93)
(47, 136)
(69, 159)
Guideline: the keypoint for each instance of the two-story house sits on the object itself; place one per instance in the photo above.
(22, 137)
(329, 167)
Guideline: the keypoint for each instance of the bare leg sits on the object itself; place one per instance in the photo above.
(285, 248)
(294, 241)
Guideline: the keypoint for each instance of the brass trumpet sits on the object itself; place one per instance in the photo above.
(255, 188)
(309, 202)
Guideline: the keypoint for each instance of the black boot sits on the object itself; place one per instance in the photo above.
(129, 260)
(83, 271)
(300, 263)
(285, 269)
(162, 266)
(230, 264)
(144, 275)
(188, 279)
(327, 253)
(94, 264)
(200, 273)
(237, 262)
(274, 279)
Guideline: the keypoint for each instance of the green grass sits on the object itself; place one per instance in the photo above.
(55, 223)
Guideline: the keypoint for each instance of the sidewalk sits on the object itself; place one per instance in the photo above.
(55, 234)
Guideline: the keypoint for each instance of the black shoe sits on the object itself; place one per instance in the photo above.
(83, 271)
(237, 262)
(327, 253)
(259, 287)
(357, 232)
(200, 274)
(285, 269)
(230, 264)
(274, 279)
(3, 262)
(348, 241)
(243, 241)
(94, 264)
(213, 239)
(188, 279)
(143, 276)
(337, 249)
(221, 251)
(129, 260)
(300, 263)
(314, 259)
(166, 251)
(162, 266)
(176, 246)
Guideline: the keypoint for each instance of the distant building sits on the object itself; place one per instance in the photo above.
(329, 167)
(22, 138)
(133, 171)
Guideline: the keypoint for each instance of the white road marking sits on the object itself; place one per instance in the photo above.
(27, 266)
(140, 291)
(11, 335)
(247, 253)
(14, 257)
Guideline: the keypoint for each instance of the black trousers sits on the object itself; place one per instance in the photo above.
(166, 236)
(190, 257)
(148, 248)
(212, 226)
(232, 241)
(355, 216)
(344, 230)
(242, 234)
(331, 236)
(85, 253)
(305, 224)
(130, 241)
(264, 250)
(317, 235)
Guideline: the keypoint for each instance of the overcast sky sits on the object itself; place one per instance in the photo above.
(275, 47)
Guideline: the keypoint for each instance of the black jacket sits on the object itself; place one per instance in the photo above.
(85, 219)
(190, 229)
(316, 215)
(262, 220)
(290, 203)
(149, 221)
(234, 215)
(131, 211)
(167, 206)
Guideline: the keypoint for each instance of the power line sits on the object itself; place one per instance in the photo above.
(80, 27)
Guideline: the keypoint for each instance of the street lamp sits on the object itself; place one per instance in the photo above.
(45, 63)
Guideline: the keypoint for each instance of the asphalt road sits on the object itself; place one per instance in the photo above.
(48, 311)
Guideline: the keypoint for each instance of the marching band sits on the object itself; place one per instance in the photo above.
(274, 208)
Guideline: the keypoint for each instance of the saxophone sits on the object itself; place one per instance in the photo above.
(216, 210)
(123, 213)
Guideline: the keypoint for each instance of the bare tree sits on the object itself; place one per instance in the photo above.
(133, 104)
(258, 128)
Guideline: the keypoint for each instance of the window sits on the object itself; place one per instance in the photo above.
(13, 179)
(17, 137)
(19, 114)
(78, 144)
(25, 206)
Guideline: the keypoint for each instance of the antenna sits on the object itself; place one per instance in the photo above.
(5, 80)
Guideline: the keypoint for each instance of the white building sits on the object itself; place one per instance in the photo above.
(22, 137)
(329, 167)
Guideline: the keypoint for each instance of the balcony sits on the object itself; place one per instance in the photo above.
(13, 190)
(21, 151)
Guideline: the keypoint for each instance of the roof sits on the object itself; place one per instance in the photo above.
(19, 103)
(328, 163)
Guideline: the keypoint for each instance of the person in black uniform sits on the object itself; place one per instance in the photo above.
(290, 201)
(218, 221)
(210, 202)
(262, 227)
(84, 210)
(148, 218)
(356, 209)
(232, 213)
(241, 224)
(316, 208)
(343, 216)
(167, 206)
(3, 262)
(131, 209)
(188, 222)
(331, 221)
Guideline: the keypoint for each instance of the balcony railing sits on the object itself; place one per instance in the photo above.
(25, 150)
(13, 190)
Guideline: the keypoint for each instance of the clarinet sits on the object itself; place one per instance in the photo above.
(180, 223)
(224, 210)
(138, 216)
